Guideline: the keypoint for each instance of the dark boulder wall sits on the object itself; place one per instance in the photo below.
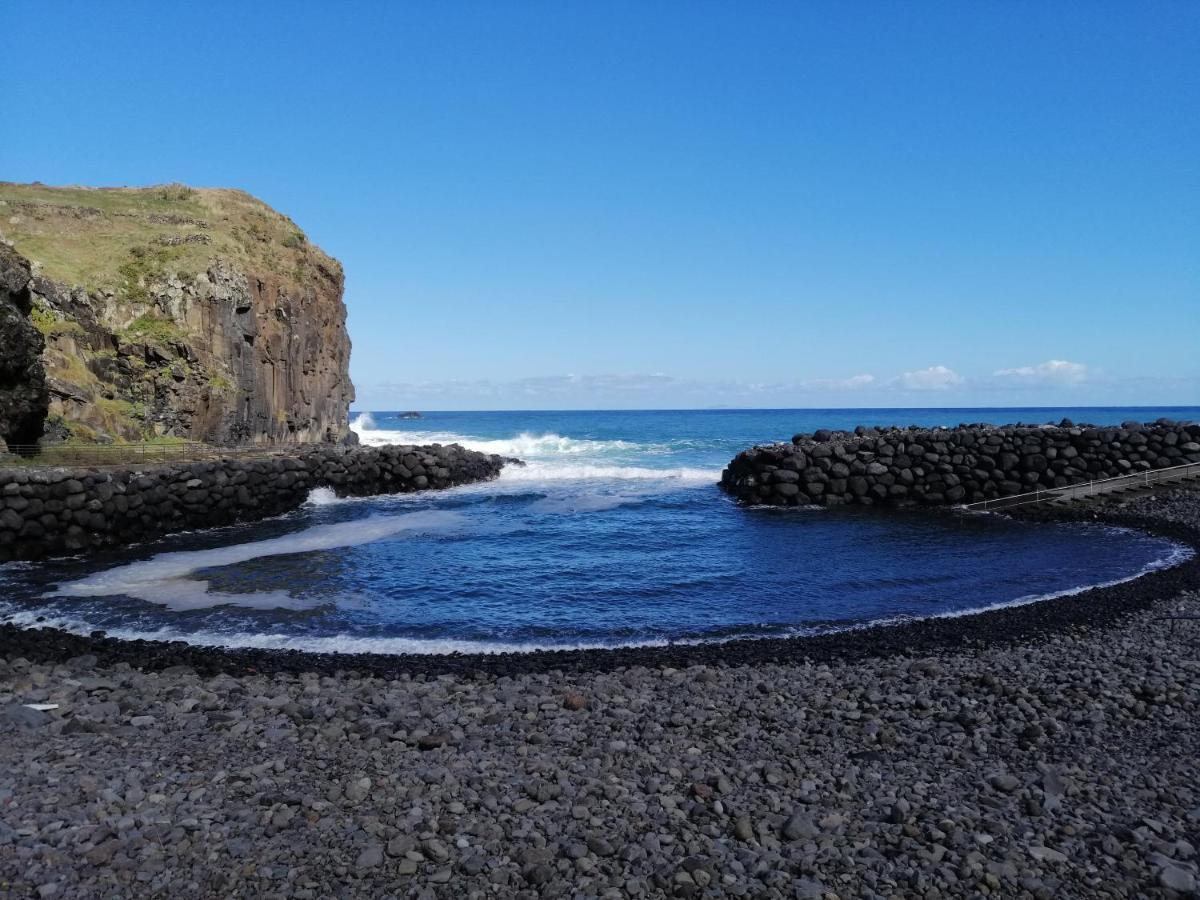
(940, 466)
(23, 395)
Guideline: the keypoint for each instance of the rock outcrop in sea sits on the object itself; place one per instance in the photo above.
(930, 467)
(167, 312)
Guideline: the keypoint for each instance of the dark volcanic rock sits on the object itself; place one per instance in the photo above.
(49, 511)
(943, 466)
(24, 399)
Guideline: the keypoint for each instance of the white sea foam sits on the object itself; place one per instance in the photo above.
(551, 457)
(164, 580)
(47, 618)
(523, 445)
(535, 471)
(322, 496)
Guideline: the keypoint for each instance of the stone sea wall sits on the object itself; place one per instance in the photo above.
(932, 467)
(44, 512)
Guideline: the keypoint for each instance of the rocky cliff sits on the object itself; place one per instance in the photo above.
(173, 312)
(23, 396)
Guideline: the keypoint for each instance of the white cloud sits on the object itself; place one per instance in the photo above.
(853, 383)
(1051, 372)
(935, 378)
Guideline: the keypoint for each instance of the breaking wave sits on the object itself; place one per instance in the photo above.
(550, 456)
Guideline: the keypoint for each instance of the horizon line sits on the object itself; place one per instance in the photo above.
(1165, 406)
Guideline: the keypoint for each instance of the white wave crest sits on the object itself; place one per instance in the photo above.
(535, 472)
(525, 445)
(322, 496)
(552, 457)
(47, 618)
(163, 579)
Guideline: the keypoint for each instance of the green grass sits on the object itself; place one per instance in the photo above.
(109, 239)
(146, 266)
(152, 327)
(48, 324)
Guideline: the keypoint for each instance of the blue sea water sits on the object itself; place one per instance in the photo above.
(613, 533)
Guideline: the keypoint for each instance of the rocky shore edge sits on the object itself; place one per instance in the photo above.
(1174, 514)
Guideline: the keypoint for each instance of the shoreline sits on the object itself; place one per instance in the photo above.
(1106, 606)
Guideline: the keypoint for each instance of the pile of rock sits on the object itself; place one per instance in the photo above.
(49, 511)
(907, 466)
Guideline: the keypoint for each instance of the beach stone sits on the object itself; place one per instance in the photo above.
(400, 845)
(799, 826)
(370, 857)
(433, 741)
(20, 716)
(357, 790)
(1045, 854)
(1004, 783)
(1177, 879)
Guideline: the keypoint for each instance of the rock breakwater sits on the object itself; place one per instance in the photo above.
(969, 463)
(44, 512)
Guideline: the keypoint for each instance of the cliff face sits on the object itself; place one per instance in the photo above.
(23, 396)
(181, 313)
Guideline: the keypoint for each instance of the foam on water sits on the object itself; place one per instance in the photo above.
(164, 579)
(322, 496)
(535, 471)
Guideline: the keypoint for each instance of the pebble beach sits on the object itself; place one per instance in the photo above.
(1052, 760)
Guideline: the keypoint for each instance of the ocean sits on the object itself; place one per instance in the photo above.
(613, 533)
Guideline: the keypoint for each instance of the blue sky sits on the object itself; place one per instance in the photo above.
(555, 205)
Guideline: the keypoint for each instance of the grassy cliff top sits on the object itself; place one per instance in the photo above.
(120, 239)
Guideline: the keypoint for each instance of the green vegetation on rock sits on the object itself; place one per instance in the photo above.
(168, 310)
(152, 327)
(49, 324)
(123, 239)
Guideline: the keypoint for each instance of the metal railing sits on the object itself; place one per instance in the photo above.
(98, 455)
(1082, 489)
